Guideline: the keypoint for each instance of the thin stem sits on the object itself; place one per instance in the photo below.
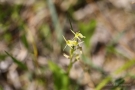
(69, 67)
(71, 63)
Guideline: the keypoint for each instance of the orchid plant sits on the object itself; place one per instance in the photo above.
(75, 48)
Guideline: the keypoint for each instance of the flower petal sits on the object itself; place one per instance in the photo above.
(65, 55)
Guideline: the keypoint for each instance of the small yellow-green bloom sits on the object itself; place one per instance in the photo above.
(78, 35)
(70, 43)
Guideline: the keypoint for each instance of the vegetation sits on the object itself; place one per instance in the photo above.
(67, 45)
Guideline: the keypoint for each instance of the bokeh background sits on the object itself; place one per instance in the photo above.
(31, 44)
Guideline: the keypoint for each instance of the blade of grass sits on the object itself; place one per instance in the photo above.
(103, 83)
(124, 67)
(121, 69)
(20, 64)
(55, 20)
(24, 40)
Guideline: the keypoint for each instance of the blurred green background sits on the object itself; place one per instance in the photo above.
(31, 44)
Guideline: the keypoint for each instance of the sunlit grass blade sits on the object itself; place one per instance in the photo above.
(125, 66)
(118, 71)
(103, 83)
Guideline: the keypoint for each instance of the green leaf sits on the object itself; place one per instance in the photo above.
(118, 84)
(61, 80)
(20, 64)
(119, 81)
(24, 40)
(87, 30)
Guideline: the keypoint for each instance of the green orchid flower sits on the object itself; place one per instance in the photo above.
(77, 35)
(75, 51)
(70, 43)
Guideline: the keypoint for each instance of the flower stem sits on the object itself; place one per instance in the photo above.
(69, 67)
